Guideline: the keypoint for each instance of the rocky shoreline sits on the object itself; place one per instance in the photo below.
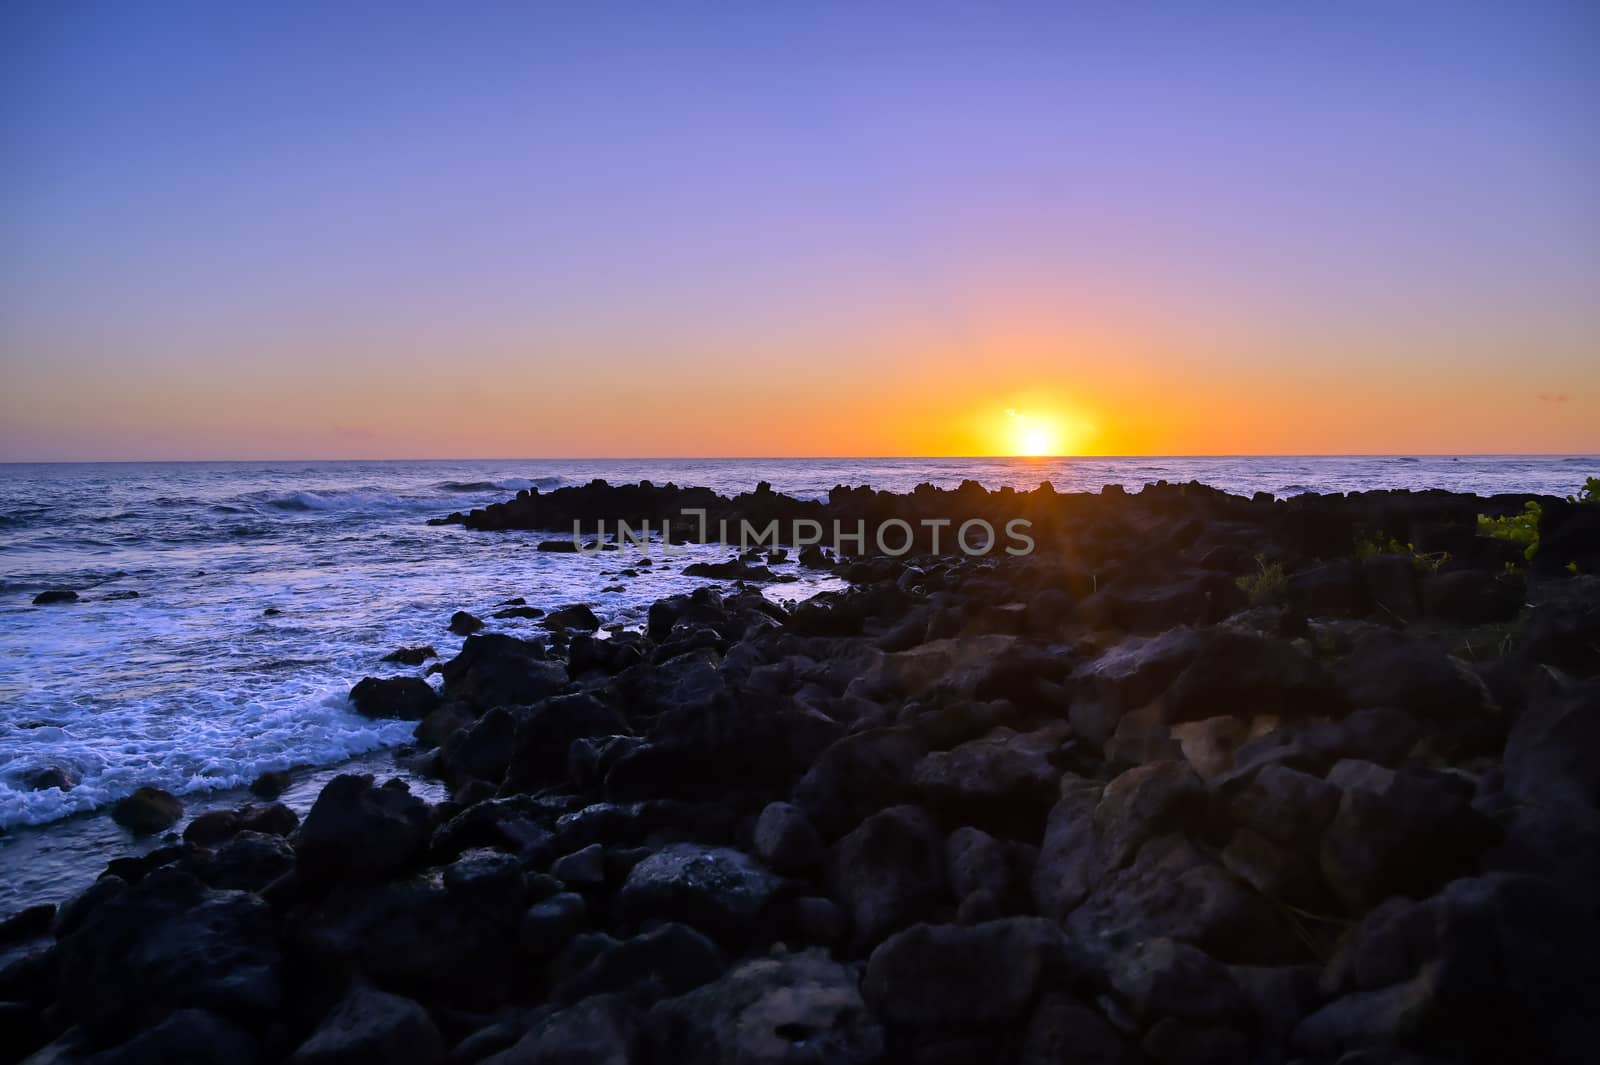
(1201, 779)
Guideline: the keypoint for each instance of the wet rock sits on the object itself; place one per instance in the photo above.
(272, 819)
(575, 618)
(803, 1007)
(411, 656)
(465, 624)
(355, 828)
(212, 827)
(168, 943)
(481, 750)
(28, 923)
(717, 889)
(491, 879)
(887, 873)
(50, 776)
(75, 910)
(527, 612)
(406, 698)
(372, 1027)
(785, 840)
(951, 975)
(270, 784)
(248, 861)
(55, 595)
(1398, 833)
(147, 810)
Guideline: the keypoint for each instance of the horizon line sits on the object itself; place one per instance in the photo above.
(1029, 459)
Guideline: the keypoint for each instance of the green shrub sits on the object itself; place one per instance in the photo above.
(1423, 561)
(1521, 528)
(1264, 585)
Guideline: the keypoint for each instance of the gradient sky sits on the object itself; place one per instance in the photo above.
(300, 230)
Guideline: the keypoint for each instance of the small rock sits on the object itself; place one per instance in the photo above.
(51, 776)
(271, 784)
(147, 810)
(464, 624)
(55, 595)
(585, 867)
(410, 656)
(785, 840)
(550, 923)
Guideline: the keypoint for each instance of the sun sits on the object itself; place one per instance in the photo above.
(1033, 435)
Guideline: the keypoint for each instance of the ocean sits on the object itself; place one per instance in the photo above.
(193, 687)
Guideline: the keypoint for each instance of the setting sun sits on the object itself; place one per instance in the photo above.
(1033, 435)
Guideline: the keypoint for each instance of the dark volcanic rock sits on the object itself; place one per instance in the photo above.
(407, 698)
(372, 1027)
(785, 840)
(55, 595)
(147, 810)
(1245, 673)
(887, 873)
(167, 943)
(411, 656)
(576, 618)
(271, 784)
(859, 775)
(1414, 676)
(950, 975)
(667, 960)
(464, 624)
(498, 670)
(1398, 833)
(51, 776)
(772, 1011)
(356, 828)
(1006, 780)
(719, 890)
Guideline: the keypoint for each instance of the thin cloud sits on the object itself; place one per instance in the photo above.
(1552, 397)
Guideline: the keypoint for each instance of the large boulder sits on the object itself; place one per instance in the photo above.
(1243, 673)
(544, 734)
(858, 776)
(1416, 676)
(667, 960)
(1553, 752)
(1398, 833)
(887, 873)
(785, 840)
(372, 1027)
(407, 698)
(1005, 780)
(355, 828)
(498, 670)
(772, 1011)
(169, 943)
(952, 975)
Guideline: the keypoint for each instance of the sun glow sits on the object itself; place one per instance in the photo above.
(1033, 435)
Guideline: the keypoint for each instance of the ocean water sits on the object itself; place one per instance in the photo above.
(192, 687)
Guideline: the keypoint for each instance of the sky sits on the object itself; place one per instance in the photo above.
(411, 230)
